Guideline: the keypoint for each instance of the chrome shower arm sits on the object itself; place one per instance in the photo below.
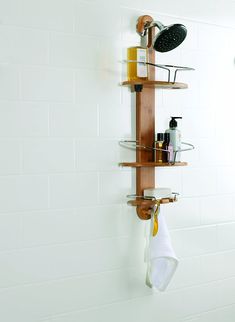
(150, 25)
(157, 24)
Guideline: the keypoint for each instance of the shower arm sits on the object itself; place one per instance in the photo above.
(150, 25)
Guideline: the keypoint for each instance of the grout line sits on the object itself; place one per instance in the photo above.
(49, 49)
(75, 154)
(48, 193)
(192, 317)
(75, 98)
(101, 239)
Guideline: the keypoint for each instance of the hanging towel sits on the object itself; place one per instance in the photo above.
(160, 256)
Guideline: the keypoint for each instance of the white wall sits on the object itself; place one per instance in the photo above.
(70, 248)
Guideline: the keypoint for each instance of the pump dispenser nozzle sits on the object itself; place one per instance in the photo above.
(173, 122)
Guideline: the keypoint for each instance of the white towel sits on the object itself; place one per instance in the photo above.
(161, 259)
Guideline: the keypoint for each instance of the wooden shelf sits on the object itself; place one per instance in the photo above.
(157, 84)
(152, 164)
(149, 203)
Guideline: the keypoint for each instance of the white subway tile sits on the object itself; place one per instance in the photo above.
(162, 117)
(20, 193)
(109, 83)
(48, 155)
(217, 266)
(169, 177)
(178, 98)
(194, 242)
(184, 213)
(9, 82)
(109, 54)
(207, 38)
(66, 295)
(226, 238)
(136, 310)
(139, 309)
(224, 159)
(217, 209)
(10, 161)
(201, 298)
(48, 14)
(22, 46)
(47, 84)
(36, 265)
(209, 154)
(71, 225)
(111, 22)
(95, 155)
(195, 124)
(19, 119)
(225, 184)
(10, 232)
(199, 181)
(183, 303)
(116, 121)
(226, 292)
(74, 51)
(220, 314)
(85, 81)
(73, 190)
(67, 120)
(126, 155)
(114, 186)
(105, 87)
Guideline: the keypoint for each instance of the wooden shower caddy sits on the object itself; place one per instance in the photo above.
(145, 131)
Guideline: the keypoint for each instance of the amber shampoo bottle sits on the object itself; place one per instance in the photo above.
(136, 69)
(158, 153)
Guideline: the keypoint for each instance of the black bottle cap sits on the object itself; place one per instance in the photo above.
(166, 137)
(173, 122)
(160, 136)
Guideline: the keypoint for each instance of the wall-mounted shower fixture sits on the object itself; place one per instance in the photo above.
(168, 37)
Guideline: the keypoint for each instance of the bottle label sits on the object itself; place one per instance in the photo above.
(141, 68)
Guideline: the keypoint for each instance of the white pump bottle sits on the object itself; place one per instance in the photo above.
(175, 136)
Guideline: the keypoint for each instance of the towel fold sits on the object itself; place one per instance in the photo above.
(161, 258)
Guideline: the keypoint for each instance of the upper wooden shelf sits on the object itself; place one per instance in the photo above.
(152, 164)
(157, 84)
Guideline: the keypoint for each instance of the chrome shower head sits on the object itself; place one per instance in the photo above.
(169, 37)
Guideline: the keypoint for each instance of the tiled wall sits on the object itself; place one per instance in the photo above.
(70, 248)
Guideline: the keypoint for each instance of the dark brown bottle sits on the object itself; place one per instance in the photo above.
(167, 156)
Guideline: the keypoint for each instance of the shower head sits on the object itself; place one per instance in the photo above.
(168, 37)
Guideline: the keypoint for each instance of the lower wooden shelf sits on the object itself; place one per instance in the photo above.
(152, 164)
(149, 203)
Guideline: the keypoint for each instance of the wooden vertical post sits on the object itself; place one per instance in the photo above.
(145, 133)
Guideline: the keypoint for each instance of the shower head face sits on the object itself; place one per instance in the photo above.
(169, 37)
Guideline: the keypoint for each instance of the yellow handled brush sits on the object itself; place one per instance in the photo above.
(155, 220)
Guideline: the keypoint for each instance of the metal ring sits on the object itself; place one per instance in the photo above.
(135, 145)
(133, 196)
